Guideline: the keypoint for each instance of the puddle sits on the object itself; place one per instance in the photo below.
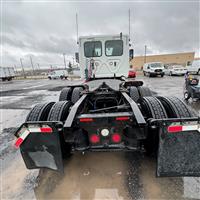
(93, 175)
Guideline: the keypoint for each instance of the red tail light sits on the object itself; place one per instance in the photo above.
(86, 120)
(174, 129)
(94, 138)
(122, 118)
(116, 138)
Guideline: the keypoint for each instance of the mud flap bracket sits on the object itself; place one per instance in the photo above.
(42, 149)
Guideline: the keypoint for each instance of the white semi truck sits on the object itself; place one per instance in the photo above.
(111, 113)
(7, 73)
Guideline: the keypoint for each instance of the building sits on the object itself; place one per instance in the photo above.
(178, 58)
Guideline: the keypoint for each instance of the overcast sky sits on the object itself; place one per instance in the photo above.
(45, 30)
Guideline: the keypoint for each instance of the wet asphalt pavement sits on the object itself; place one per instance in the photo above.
(99, 175)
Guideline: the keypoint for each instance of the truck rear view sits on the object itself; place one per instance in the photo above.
(110, 113)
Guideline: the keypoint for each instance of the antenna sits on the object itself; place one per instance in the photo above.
(76, 28)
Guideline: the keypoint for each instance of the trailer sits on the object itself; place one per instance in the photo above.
(7, 73)
(111, 113)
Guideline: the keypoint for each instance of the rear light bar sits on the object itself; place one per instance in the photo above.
(180, 128)
(86, 120)
(122, 118)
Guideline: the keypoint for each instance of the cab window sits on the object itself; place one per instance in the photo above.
(93, 49)
(114, 48)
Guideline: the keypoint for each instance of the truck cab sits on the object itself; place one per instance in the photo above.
(104, 56)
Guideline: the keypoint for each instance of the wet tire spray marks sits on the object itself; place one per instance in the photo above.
(133, 182)
(93, 175)
(159, 188)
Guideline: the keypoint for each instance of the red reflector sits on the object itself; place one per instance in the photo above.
(46, 129)
(94, 138)
(18, 142)
(116, 138)
(174, 129)
(122, 118)
(86, 120)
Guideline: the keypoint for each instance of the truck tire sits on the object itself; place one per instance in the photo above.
(134, 94)
(76, 94)
(59, 112)
(65, 94)
(144, 91)
(39, 112)
(175, 107)
(152, 108)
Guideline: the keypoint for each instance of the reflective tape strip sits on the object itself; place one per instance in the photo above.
(42, 130)
(34, 130)
(22, 137)
(191, 128)
(179, 128)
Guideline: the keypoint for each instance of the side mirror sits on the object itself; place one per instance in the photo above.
(77, 57)
(148, 67)
(131, 54)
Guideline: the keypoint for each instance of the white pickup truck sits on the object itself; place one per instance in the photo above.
(194, 68)
(58, 74)
(7, 73)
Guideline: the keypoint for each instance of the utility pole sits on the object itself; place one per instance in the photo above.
(15, 67)
(32, 64)
(38, 66)
(145, 53)
(76, 28)
(22, 68)
(64, 61)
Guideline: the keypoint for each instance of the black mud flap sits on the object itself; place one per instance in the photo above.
(179, 149)
(41, 149)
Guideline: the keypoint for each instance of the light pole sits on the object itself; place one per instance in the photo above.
(15, 67)
(38, 66)
(64, 61)
(22, 67)
(145, 53)
(32, 64)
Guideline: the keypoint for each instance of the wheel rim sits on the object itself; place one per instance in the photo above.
(186, 95)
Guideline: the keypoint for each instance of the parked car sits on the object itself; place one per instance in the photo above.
(194, 68)
(132, 73)
(56, 74)
(153, 69)
(175, 70)
(192, 88)
(7, 73)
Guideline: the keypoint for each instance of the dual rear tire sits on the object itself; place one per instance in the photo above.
(161, 108)
(70, 94)
(52, 112)
(139, 92)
